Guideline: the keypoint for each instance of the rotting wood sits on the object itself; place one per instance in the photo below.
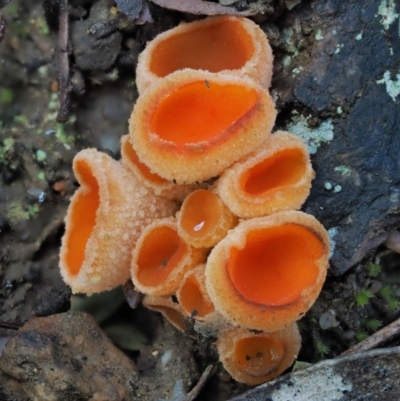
(348, 378)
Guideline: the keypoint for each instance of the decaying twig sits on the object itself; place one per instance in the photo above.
(63, 96)
(194, 392)
(9, 325)
(200, 7)
(376, 339)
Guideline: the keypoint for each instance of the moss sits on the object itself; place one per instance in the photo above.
(373, 269)
(373, 324)
(6, 95)
(18, 212)
(7, 144)
(41, 155)
(363, 297)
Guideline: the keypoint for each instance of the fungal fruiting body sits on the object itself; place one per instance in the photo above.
(161, 258)
(192, 125)
(103, 223)
(268, 271)
(256, 358)
(220, 44)
(200, 133)
(171, 310)
(276, 177)
(192, 294)
(160, 186)
(203, 219)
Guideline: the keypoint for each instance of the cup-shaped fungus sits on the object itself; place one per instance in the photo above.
(161, 258)
(275, 178)
(105, 217)
(192, 125)
(256, 358)
(203, 219)
(160, 186)
(219, 44)
(268, 271)
(192, 295)
(171, 310)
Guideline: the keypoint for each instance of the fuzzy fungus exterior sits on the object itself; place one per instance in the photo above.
(275, 178)
(169, 309)
(160, 186)
(226, 44)
(203, 219)
(161, 258)
(268, 271)
(192, 295)
(192, 125)
(256, 358)
(105, 218)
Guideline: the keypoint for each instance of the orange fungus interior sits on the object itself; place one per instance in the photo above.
(82, 217)
(160, 253)
(281, 169)
(201, 213)
(144, 170)
(224, 45)
(258, 356)
(192, 299)
(276, 264)
(201, 111)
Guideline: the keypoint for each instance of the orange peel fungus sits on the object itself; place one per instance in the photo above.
(160, 186)
(169, 309)
(256, 358)
(277, 177)
(104, 219)
(192, 125)
(226, 44)
(192, 295)
(161, 258)
(268, 271)
(203, 219)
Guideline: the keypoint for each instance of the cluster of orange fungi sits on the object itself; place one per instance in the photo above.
(201, 210)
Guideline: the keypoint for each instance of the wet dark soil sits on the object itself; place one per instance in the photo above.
(336, 84)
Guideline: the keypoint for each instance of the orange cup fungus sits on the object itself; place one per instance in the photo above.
(161, 258)
(274, 178)
(160, 186)
(268, 271)
(192, 125)
(171, 310)
(225, 44)
(192, 295)
(256, 358)
(203, 219)
(105, 217)
(204, 111)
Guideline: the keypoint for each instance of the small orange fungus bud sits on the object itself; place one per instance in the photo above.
(192, 295)
(203, 219)
(104, 219)
(170, 310)
(161, 258)
(220, 44)
(277, 177)
(192, 125)
(256, 358)
(160, 186)
(268, 271)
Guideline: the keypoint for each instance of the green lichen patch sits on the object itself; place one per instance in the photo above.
(387, 10)
(392, 87)
(313, 137)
